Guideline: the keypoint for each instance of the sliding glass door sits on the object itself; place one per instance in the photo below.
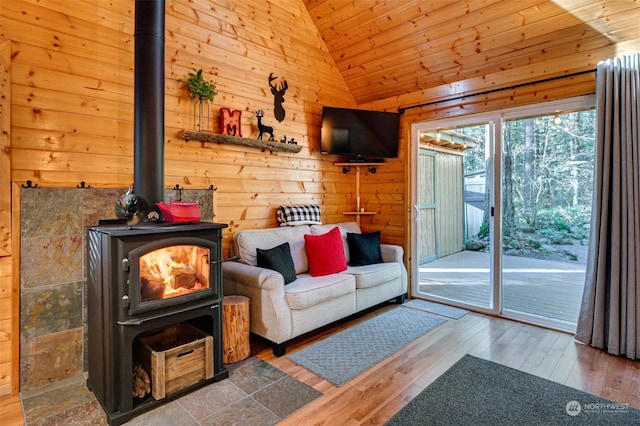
(547, 179)
(509, 232)
(454, 165)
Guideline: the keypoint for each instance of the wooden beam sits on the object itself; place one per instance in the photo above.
(235, 140)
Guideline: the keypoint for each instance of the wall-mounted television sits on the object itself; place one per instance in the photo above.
(360, 135)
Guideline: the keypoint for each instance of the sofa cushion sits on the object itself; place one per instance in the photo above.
(307, 214)
(246, 243)
(325, 253)
(344, 228)
(308, 291)
(364, 249)
(372, 275)
(278, 259)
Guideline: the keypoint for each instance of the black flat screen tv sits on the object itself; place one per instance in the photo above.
(359, 134)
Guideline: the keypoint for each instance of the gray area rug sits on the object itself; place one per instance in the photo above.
(341, 357)
(479, 392)
(436, 308)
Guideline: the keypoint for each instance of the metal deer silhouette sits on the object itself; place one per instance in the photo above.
(262, 128)
(278, 89)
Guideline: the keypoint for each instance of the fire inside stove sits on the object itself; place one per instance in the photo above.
(173, 271)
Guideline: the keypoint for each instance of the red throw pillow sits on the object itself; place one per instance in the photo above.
(325, 253)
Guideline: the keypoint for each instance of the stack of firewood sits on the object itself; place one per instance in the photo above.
(141, 382)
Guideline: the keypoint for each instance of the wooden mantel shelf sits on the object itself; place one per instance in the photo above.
(235, 140)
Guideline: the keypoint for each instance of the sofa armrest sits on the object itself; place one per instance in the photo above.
(253, 276)
(391, 253)
(269, 309)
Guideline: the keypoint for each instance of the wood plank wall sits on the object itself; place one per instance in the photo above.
(6, 325)
(72, 112)
(5, 143)
(72, 107)
(8, 299)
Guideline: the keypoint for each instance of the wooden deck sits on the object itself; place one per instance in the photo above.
(545, 288)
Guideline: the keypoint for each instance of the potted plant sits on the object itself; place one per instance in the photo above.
(200, 90)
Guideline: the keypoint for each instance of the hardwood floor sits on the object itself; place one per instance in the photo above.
(378, 393)
(10, 411)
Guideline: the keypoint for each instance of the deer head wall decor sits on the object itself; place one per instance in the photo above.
(278, 89)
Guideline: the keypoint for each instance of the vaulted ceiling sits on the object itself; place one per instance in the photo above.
(388, 48)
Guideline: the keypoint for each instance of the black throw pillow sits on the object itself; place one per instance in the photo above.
(364, 249)
(278, 259)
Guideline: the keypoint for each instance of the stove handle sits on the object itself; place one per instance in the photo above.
(225, 260)
(155, 317)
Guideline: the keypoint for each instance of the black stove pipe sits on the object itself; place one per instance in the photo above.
(148, 156)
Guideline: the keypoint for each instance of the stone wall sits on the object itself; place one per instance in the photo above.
(53, 275)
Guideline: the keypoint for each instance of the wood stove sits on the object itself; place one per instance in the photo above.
(142, 279)
(153, 278)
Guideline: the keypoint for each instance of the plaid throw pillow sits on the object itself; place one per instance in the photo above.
(308, 214)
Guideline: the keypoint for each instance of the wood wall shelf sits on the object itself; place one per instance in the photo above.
(236, 140)
(346, 168)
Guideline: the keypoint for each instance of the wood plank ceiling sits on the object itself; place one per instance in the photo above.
(387, 48)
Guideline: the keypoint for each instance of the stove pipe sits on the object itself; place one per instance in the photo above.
(148, 156)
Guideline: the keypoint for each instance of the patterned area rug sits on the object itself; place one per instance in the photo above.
(436, 308)
(479, 392)
(343, 356)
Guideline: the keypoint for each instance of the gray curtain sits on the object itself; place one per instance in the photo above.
(610, 313)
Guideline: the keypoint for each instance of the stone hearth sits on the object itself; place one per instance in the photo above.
(52, 275)
(255, 393)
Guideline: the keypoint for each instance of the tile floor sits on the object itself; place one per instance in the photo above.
(254, 394)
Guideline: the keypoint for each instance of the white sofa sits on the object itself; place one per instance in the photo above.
(281, 312)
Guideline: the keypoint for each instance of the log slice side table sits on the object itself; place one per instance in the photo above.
(235, 328)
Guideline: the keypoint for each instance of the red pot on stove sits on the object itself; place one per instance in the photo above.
(180, 211)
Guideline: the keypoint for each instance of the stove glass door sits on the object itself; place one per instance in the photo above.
(173, 271)
(170, 271)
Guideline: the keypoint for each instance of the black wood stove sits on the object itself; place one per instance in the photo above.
(152, 276)
(142, 279)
